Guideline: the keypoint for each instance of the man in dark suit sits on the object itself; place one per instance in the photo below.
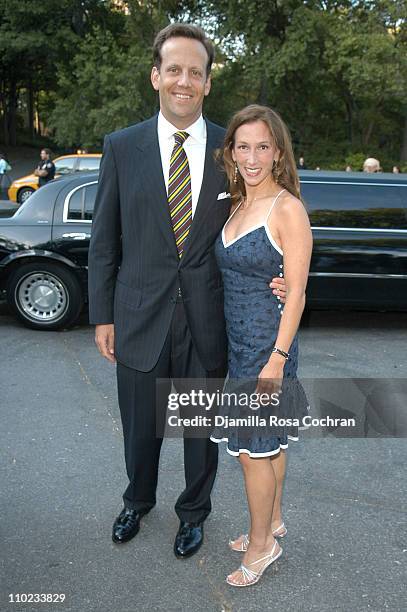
(155, 291)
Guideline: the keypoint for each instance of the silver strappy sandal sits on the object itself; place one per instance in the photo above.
(250, 576)
(243, 543)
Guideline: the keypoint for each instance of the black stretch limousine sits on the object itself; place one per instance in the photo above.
(359, 260)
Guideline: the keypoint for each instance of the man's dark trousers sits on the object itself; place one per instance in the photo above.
(142, 428)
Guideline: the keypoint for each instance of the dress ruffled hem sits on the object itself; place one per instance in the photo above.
(253, 454)
(265, 430)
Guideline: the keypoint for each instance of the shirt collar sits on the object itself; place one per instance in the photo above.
(196, 131)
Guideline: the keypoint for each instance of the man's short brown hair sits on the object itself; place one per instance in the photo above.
(185, 30)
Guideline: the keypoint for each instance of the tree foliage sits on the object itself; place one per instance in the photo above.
(335, 70)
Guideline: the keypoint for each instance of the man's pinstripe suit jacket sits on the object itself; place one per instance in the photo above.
(134, 269)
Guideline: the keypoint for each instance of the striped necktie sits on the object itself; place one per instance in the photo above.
(179, 192)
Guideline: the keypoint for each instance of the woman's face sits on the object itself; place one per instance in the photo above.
(254, 152)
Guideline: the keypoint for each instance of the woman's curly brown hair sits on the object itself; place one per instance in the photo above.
(285, 171)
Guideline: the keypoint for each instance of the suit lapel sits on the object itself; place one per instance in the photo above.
(208, 193)
(152, 173)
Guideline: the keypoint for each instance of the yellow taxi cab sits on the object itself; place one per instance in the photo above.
(22, 188)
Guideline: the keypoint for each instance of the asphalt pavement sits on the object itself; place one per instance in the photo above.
(63, 474)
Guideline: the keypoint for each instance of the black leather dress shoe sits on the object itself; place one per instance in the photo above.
(126, 525)
(188, 539)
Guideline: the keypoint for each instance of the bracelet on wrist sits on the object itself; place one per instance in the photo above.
(280, 352)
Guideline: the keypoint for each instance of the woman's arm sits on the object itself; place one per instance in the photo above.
(295, 236)
(292, 231)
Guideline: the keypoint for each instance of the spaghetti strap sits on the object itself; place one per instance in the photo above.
(229, 218)
(271, 207)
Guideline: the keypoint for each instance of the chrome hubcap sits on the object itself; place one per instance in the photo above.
(25, 195)
(41, 297)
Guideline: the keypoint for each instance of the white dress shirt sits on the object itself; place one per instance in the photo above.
(194, 146)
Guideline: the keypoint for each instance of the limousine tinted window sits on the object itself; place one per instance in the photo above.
(356, 205)
(90, 196)
(81, 203)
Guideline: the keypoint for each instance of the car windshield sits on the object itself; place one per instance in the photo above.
(65, 166)
(87, 164)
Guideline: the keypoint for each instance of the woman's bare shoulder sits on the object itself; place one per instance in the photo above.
(288, 205)
(288, 199)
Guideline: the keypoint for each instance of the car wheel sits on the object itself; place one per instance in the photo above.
(24, 194)
(45, 296)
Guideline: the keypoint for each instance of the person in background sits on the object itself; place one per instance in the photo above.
(301, 163)
(4, 168)
(396, 170)
(348, 168)
(45, 169)
(4, 165)
(371, 165)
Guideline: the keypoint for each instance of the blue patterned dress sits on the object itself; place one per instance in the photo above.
(253, 312)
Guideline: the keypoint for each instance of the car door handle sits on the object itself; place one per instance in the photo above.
(76, 235)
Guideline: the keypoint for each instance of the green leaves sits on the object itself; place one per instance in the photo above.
(335, 70)
(100, 92)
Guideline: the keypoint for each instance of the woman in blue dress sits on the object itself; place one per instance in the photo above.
(267, 234)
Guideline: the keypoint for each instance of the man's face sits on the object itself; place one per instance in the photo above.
(181, 81)
(44, 155)
(371, 168)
